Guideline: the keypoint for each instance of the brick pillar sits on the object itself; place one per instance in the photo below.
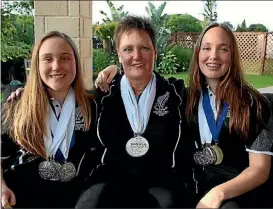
(73, 18)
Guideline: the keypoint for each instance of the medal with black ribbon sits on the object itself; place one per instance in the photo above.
(211, 154)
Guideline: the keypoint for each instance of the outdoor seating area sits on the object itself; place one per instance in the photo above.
(154, 104)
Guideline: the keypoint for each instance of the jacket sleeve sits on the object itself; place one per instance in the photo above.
(8, 145)
(9, 150)
(261, 133)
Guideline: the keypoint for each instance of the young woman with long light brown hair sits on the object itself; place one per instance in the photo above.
(47, 134)
(229, 123)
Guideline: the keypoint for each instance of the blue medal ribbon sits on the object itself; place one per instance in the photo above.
(59, 157)
(214, 126)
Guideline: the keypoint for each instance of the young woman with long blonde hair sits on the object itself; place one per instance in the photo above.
(47, 136)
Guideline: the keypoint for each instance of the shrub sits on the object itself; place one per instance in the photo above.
(114, 59)
(170, 46)
(183, 56)
(168, 64)
(105, 32)
(100, 59)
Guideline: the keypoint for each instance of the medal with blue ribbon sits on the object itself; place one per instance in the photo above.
(52, 170)
(214, 126)
(212, 154)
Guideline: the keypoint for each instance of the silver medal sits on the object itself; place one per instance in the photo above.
(209, 155)
(57, 166)
(137, 146)
(67, 171)
(49, 170)
(203, 158)
(54, 171)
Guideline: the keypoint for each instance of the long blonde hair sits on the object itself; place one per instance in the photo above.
(26, 118)
(232, 87)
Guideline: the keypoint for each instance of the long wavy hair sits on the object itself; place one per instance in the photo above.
(26, 119)
(232, 87)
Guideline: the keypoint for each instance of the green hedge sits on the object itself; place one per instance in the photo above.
(183, 56)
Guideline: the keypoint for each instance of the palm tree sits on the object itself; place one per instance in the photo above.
(159, 20)
(116, 13)
(210, 14)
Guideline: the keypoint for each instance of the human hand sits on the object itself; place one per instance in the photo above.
(213, 199)
(7, 197)
(15, 94)
(105, 77)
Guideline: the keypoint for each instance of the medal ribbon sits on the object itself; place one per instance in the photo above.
(59, 157)
(214, 126)
(61, 129)
(138, 113)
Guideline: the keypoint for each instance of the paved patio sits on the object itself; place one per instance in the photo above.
(266, 90)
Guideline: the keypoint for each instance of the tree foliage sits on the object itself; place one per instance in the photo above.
(105, 32)
(252, 28)
(242, 27)
(229, 25)
(210, 13)
(244, 24)
(168, 64)
(116, 13)
(159, 20)
(17, 29)
(257, 28)
(183, 56)
(156, 14)
(183, 23)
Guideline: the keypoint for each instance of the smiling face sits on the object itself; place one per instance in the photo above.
(137, 54)
(57, 66)
(215, 53)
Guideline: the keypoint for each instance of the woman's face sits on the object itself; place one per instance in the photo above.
(136, 54)
(215, 53)
(57, 65)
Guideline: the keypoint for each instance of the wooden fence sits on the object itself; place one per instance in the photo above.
(256, 49)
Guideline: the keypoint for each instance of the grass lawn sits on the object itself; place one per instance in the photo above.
(260, 81)
(257, 81)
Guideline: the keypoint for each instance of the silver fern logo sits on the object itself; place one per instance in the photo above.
(160, 107)
(79, 121)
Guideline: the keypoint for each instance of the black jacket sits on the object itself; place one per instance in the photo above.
(163, 133)
(20, 169)
(236, 157)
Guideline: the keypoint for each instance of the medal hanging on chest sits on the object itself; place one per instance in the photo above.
(49, 170)
(211, 154)
(58, 141)
(54, 171)
(137, 146)
(138, 114)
